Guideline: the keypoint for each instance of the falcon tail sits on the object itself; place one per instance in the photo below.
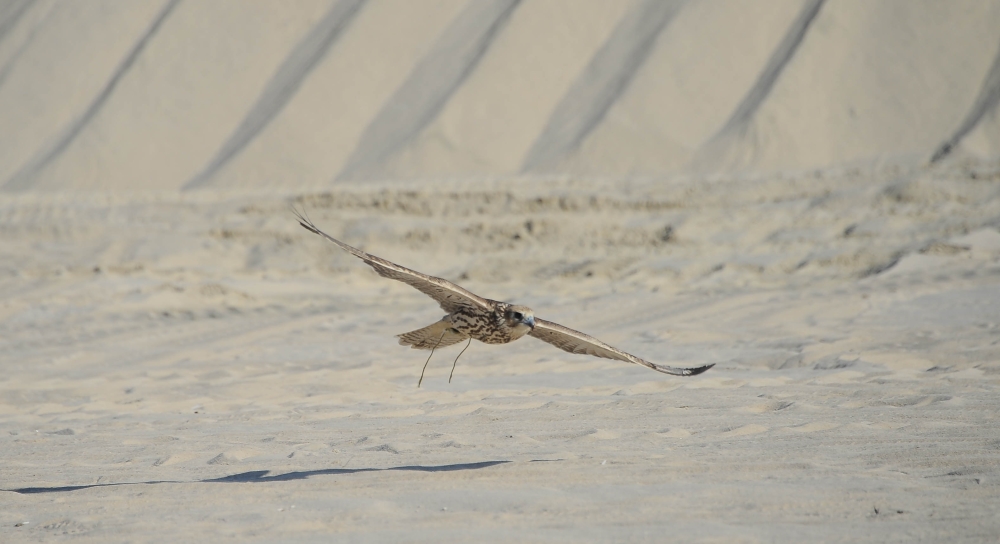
(436, 335)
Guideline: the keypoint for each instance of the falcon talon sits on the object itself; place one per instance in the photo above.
(472, 317)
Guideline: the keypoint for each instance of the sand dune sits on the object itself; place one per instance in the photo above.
(804, 193)
(167, 95)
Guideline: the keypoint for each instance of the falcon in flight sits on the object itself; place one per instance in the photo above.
(471, 316)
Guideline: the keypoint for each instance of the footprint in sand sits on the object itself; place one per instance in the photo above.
(746, 430)
(769, 406)
(674, 433)
(814, 427)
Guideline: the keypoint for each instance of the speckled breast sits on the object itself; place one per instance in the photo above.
(487, 327)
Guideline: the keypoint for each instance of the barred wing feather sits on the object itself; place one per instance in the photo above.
(451, 297)
(573, 341)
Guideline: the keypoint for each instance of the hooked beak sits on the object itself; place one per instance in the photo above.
(529, 321)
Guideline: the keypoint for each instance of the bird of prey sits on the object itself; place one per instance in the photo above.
(472, 317)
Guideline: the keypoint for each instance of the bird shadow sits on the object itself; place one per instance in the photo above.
(262, 476)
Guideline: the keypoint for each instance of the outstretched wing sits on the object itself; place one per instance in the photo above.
(572, 341)
(450, 296)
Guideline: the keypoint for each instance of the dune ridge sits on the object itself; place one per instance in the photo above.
(652, 90)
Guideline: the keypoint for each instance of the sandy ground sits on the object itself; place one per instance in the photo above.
(805, 193)
(195, 366)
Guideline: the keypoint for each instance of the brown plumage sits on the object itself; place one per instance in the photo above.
(473, 317)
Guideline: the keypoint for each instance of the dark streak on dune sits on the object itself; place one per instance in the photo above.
(10, 14)
(8, 20)
(601, 83)
(283, 85)
(987, 100)
(775, 65)
(734, 145)
(429, 86)
(23, 178)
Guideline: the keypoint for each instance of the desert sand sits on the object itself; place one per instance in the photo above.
(805, 194)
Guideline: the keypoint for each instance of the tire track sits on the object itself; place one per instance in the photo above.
(284, 84)
(160, 339)
(25, 176)
(603, 80)
(430, 85)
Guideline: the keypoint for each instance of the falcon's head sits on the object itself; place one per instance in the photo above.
(519, 317)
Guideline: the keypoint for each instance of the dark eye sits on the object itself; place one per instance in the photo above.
(517, 315)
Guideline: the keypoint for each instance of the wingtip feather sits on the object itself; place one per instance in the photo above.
(682, 371)
(309, 228)
(304, 221)
(698, 370)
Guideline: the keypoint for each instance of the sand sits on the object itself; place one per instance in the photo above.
(182, 362)
(168, 94)
(194, 366)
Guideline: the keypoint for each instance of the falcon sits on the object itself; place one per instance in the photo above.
(472, 317)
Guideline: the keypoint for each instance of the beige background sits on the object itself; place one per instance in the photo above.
(744, 184)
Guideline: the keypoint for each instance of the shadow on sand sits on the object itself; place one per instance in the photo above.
(262, 476)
